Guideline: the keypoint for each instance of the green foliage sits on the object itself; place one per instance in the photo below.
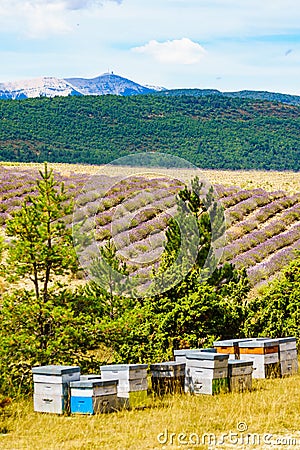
(193, 312)
(42, 245)
(49, 324)
(211, 132)
(276, 312)
(38, 333)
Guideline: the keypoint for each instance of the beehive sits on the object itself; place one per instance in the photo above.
(51, 387)
(131, 378)
(93, 396)
(207, 372)
(167, 377)
(229, 347)
(288, 356)
(181, 357)
(264, 353)
(240, 375)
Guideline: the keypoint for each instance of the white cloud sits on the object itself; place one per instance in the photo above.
(40, 18)
(178, 51)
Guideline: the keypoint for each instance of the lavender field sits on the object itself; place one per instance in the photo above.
(263, 228)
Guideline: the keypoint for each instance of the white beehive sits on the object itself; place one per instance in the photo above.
(51, 387)
(207, 372)
(132, 381)
(264, 353)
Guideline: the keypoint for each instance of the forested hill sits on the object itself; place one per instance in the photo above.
(256, 95)
(211, 131)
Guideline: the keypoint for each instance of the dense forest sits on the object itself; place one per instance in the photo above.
(210, 131)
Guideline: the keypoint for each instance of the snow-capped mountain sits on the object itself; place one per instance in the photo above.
(108, 83)
(37, 87)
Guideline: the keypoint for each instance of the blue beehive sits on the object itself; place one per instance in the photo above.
(51, 387)
(93, 396)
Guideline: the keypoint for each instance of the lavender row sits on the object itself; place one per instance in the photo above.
(141, 231)
(239, 196)
(273, 264)
(256, 237)
(261, 251)
(245, 207)
(224, 191)
(122, 219)
(262, 215)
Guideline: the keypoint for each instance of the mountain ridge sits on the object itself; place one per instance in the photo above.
(107, 83)
(111, 84)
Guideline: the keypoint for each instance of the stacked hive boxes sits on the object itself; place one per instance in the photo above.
(264, 354)
(92, 396)
(132, 382)
(167, 377)
(208, 372)
(51, 387)
(288, 356)
(230, 347)
(180, 357)
(240, 375)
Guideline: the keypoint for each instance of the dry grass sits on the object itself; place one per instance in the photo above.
(270, 181)
(273, 407)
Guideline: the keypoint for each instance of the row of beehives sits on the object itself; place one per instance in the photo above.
(228, 366)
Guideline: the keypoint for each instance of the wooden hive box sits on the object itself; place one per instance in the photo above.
(288, 356)
(240, 375)
(167, 377)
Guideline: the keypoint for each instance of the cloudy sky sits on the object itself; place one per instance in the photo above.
(222, 44)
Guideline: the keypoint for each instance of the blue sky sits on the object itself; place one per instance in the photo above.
(222, 44)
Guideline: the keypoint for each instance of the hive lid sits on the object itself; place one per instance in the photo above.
(286, 339)
(259, 342)
(185, 351)
(207, 355)
(240, 362)
(167, 365)
(54, 370)
(93, 383)
(90, 377)
(230, 342)
(119, 367)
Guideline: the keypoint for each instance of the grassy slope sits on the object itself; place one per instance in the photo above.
(273, 407)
